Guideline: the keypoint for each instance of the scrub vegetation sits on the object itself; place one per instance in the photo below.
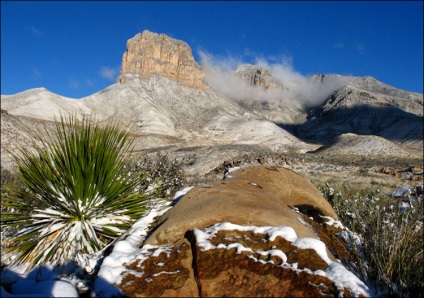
(73, 194)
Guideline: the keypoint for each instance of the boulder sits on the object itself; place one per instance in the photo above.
(259, 196)
(262, 231)
(239, 261)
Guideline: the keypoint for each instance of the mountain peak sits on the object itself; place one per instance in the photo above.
(257, 76)
(150, 54)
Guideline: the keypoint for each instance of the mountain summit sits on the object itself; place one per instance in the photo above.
(149, 53)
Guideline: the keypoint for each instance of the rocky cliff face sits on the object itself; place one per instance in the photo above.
(150, 53)
(257, 76)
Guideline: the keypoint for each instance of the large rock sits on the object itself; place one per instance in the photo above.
(259, 196)
(264, 232)
(239, 261)
(149, 53)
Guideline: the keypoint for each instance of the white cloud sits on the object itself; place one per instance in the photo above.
(36, 73)
(89, 83)
(294, 86)
(360, 48)
(74, 84)
(339, 45)
(34, 31)
(108, 73)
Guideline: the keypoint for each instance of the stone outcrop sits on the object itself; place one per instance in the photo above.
(257, 76)
(237, 261)
(256, 234)
(260, 196)
(149, 53)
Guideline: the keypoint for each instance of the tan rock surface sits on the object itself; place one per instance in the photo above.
(150, 53)
(240, 238)
(258, 196)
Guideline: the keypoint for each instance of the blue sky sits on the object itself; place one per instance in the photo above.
(75, 48)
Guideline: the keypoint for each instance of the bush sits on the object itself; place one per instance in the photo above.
(169, 171)
(390, 251)
(74, 194)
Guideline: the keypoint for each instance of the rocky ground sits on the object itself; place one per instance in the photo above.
(207, 164)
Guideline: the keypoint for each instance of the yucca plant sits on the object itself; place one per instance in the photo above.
(75, 192)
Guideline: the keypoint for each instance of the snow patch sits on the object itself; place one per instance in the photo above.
(336, 272)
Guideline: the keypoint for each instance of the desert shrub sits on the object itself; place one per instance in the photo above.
(389, 252)
(74, 194)
(169, 171)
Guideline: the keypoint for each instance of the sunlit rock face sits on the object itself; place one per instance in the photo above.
(263, 231)
(149, 53)
(258, 196)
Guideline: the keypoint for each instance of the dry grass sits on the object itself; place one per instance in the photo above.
(390, 253)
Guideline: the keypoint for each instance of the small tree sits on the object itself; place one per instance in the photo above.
(75, 193)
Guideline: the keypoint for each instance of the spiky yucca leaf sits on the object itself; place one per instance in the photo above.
(75, 193)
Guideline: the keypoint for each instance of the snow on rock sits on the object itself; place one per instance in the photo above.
(261, 244)
(181, 193)
(127, 250)
(342, 278)
(315, 244)
(332, 222)
(225, 252)
(55, 288)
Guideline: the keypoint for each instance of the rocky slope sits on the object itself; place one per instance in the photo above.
(365, 106)
(366, 145)
(354, 110)
(16, 133)
(40, 103)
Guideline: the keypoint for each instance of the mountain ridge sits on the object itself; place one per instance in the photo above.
(179, 112)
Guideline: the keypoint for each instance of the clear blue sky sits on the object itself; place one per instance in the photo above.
(75, 48)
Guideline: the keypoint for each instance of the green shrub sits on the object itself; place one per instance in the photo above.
(74, 194)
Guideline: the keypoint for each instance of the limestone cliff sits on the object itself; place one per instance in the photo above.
(150, 53)
(257, 76)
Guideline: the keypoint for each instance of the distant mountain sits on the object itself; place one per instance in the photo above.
(366, 107)
(163, 95)
(366, 145)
